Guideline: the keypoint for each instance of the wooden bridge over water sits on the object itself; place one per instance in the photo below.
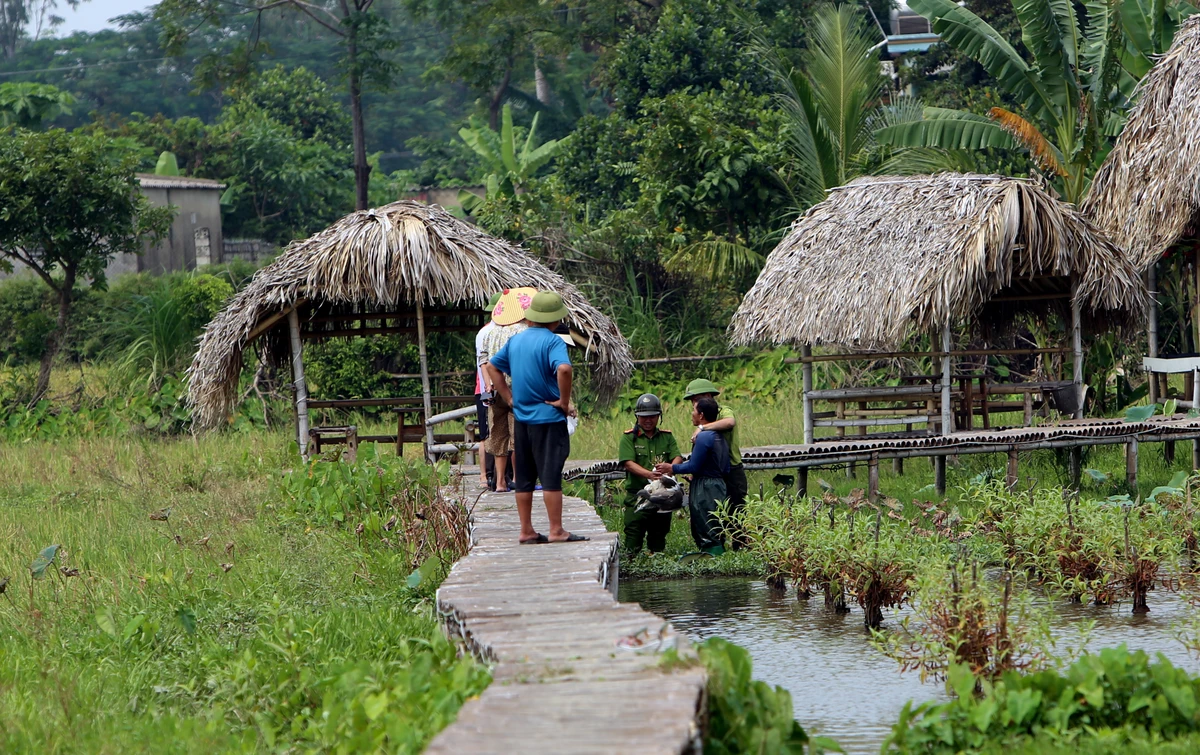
(547, 619)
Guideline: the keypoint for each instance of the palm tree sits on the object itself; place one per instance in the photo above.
(1070, 101)
(835, 100)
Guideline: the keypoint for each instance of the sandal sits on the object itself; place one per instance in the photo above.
(535, 540)
(572, 538)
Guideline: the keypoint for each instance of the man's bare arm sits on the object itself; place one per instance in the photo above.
(499, 384)
(565, 377)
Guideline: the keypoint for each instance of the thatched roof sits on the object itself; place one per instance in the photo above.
(882, 257)
(1146, 195)
(379, 258)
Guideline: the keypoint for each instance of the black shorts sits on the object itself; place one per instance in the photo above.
(539, 452)
(481, 417)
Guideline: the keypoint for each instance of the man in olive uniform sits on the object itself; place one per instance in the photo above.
(643, 446)
(726, 425)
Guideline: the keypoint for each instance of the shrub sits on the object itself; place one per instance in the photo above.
(1111, 691)
(744, 715)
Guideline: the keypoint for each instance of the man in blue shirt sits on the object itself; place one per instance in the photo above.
(540, 396)
(708, 465)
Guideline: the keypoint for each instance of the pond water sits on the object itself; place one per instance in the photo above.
(841, 686)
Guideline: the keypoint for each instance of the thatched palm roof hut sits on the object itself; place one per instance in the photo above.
(1146, 195)
(882, 257)
(391, 260)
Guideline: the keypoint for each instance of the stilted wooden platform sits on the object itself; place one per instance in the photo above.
(1068, 434)
(547, 618)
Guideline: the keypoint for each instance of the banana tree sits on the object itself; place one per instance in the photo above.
(510, 166)
(1072, 97)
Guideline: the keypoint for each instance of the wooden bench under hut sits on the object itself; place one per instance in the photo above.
(884, 259)
(1146, 198)
(404, 268)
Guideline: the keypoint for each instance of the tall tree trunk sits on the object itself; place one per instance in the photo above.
(66, 290)
(362, 169)
(541, 85)
(498, 100)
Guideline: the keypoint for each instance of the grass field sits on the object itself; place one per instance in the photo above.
(220, 625)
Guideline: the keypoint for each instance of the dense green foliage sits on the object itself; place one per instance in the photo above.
(1113, 695)
(745, 715)
(185, 609)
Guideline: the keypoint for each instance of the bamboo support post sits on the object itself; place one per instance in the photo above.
(1074, 466)
(898, 465)
(1131, 464)
(298, 381)
(947, 409)
(597, 491)
(1011, 477)
(1028, 418)
(873, 477)
(807, 372)
(1152, 327)
(1077, 348)
(426, 394)
(351, 454)
(968, 404)
(939, 474)
(802, 482)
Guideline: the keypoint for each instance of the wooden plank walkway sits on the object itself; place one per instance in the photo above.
(546, 618)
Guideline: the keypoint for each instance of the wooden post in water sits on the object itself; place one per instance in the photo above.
(1131, 465)
(1011, 477)
(806, 370)
(298, 382)
(425, 391)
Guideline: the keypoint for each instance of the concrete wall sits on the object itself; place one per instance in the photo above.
(445, 197)
(195, 236)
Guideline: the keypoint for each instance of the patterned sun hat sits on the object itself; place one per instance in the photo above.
(512, 305)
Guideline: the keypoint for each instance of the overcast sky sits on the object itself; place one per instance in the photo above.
(93, 15)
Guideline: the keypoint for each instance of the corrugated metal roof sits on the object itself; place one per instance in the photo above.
(151, 181)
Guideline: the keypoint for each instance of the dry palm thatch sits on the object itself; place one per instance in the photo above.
(882, 256)
(377, 259)
(1146, 195)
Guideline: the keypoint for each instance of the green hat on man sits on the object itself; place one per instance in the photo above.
(546, 307)
(700, 387)
(492, 301)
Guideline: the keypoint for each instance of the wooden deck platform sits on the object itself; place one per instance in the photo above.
(546, 618)
(1068, 434)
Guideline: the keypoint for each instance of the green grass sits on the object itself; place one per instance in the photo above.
(222, 629)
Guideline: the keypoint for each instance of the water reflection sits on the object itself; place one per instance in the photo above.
(842, 687)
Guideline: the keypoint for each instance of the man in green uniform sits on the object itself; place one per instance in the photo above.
(643, 446)
(736, 484)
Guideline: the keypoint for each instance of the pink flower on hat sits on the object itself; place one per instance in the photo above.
(498, 310)
(525, 301)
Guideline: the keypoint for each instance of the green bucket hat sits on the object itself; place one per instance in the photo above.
(546, 307)
(492, 302)
(701, 386)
